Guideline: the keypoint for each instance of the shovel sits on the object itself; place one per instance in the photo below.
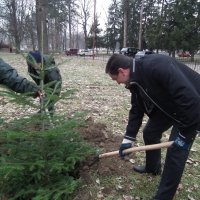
(134, 149)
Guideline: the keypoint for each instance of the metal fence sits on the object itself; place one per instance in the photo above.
(195, 65)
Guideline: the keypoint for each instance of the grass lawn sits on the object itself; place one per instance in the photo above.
(109, 104)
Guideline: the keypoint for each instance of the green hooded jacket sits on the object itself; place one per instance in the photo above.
(10, 78)
(50, 75)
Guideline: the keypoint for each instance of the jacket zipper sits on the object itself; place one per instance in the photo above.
(153, 101)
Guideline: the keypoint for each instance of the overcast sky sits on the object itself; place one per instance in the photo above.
(102, 10)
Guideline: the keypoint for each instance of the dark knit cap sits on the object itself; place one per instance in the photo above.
(36, 55)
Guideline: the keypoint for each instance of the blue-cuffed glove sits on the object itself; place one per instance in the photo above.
(126, 144)
(179, 143)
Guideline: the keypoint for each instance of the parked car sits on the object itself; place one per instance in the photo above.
(182, 54)
(70, 52)
(117, 51)
(84, 52)
(102, 51)
(140, 54)
(129, 51)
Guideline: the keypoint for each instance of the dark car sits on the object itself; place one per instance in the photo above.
(183, 54)
(140, 54)
(71, 52)
(129, 51)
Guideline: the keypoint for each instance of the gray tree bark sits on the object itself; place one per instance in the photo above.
(140, 29)
(42, 26)
(126, 3)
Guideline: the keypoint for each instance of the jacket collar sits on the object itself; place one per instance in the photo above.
(132, 72)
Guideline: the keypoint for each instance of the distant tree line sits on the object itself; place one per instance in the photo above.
(166, 24)
(24, 20)
(169, 25)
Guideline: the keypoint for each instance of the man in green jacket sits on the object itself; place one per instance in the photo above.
(10, 78)
(51, 75)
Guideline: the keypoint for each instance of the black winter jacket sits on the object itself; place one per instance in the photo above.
(10, 78)
(161, 81)
(52, 74)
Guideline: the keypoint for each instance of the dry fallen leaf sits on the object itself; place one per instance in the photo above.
(189, 161)
(97, 181)
(190, 189)
(180, 187)
(132, 161)
(190, 198)
(131, 187)
(100, 196)
(118, 187)
(127, 197)
(193, 150)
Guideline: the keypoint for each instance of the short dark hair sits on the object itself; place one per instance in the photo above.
(115, 62)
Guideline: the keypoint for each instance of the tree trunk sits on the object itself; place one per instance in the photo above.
(65, 39)
(125, 28)
(140, 29)
(173, 53)
(14, 28)
(126, 7)
(70, 29)
(33, 41)
(42, 25)
(85, 13)
(94, 30)
(192, 55)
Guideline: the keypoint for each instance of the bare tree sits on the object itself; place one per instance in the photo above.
(14, 24)
(30, 27)
(125, 6)
(13, 13)
(70, 28)
(42, 25)
(84, 15)
(57, 15)
(72, 21)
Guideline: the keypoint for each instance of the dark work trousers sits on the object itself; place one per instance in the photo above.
(175, 158)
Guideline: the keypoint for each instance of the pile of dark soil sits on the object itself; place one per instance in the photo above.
(98, 134)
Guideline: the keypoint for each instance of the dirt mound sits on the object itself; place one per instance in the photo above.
(97, 134)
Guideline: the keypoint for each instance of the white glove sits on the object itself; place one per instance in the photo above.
(125, 141)
(126, 144)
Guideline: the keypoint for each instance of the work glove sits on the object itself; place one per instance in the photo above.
(126, 144)
(181, 144)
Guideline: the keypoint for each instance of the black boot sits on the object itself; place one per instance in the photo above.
(142, 169)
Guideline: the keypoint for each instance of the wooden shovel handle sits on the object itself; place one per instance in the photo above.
(141, 148)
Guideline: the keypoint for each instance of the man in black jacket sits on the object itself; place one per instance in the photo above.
(51, 74)
(10, 78)
(168, 92)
